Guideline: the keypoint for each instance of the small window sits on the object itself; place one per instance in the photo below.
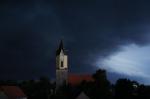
(61, 63)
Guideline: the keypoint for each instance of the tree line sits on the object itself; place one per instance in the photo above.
(100, 88)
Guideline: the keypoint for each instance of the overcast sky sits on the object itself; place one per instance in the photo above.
(109, 34)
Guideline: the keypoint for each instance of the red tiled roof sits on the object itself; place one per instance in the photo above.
(75, 79)
(12, 91)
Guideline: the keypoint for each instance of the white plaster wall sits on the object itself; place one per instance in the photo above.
(65, 61)
(61, 58)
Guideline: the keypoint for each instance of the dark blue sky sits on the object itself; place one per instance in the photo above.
(96, 34)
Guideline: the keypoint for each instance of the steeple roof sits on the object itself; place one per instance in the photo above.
(61, 47)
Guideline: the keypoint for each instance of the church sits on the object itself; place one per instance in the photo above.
(61, 65)
(62, 74)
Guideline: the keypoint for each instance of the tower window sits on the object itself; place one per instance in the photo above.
(61, 63)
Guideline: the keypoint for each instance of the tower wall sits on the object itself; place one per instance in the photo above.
(64, 59)
(61, 66)
(61, 77)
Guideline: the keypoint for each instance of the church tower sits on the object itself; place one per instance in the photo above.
(61, 66)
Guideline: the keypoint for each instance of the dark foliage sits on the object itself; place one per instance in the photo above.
(100, 88)
(41, 89)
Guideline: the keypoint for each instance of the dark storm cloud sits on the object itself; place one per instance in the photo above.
(30, 32)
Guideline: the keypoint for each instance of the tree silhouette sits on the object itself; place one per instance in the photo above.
(144, 92)
(101, 86)
(125, 89)
(37, 89)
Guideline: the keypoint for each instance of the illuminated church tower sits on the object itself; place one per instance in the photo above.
(61, 66)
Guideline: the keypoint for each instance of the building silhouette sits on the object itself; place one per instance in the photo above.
(61, 66)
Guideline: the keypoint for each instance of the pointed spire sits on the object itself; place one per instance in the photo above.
(61, 47)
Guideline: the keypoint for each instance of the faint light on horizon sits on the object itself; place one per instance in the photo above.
(132, 60)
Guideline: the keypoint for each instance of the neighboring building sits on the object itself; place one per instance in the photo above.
(61, 66)
(75, 79)
(11, 92)
(82, 95)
